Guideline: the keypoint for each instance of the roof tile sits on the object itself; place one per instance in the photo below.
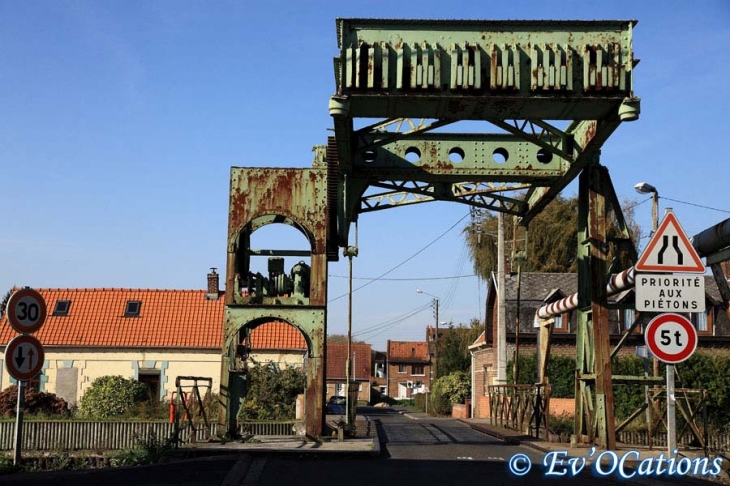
(337, 358)
(167, 319)
(408, 351)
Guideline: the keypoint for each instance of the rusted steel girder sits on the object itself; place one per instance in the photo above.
(594, 410)
(258, 197)
(521, 76)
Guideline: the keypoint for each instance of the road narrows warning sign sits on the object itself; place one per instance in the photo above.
(669, 250)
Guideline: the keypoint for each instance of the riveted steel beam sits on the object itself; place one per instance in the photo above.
(489, 157)
(396, 67)
(482, 195)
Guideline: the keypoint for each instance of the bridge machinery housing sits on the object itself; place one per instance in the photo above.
(543, 95)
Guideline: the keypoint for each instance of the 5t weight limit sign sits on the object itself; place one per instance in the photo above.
(671, 338)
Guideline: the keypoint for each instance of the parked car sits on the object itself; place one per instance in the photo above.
(336, 405)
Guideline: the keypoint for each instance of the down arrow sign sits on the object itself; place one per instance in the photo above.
(20, 359)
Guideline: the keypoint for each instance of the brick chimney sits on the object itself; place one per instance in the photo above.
(213, 285)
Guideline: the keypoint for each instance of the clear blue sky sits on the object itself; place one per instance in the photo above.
(120, 121)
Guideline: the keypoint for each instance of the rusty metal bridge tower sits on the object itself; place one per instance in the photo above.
(548, 94)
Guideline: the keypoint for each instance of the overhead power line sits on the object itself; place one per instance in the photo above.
(404, 261)
(387, 325)
(696, 205)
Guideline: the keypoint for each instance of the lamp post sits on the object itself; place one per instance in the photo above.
(436, 338)
(646, 188)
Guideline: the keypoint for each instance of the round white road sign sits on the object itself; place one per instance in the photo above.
(671, 338)
(26, 311)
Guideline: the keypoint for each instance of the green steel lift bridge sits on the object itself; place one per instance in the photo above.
(542, 97)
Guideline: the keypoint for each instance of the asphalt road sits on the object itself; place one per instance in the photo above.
(422, 452)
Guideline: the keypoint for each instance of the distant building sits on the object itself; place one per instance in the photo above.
(361, 363)
(409, 368)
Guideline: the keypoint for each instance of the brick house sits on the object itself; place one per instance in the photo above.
(149, 335)
(409, 368)
(361, 369)
(536, 289)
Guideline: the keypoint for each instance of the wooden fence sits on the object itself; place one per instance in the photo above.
(101, 436)
(716, 441)
(520, 407)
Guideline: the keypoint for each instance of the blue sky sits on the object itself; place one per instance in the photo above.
(120, 122)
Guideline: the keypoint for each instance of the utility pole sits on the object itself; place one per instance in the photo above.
(501, 314)
(436, 337)
(349, 252)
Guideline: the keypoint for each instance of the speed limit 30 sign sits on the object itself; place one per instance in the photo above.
(671, 338)
(26, 311)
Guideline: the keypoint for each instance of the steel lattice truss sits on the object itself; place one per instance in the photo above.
(555, 91)
(405, 82)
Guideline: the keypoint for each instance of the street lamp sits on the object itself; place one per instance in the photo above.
(436, 338)
(646, 188)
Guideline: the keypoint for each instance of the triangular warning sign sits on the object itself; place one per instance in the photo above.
(669, 250)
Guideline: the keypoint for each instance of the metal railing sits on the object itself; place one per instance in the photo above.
(520, 407)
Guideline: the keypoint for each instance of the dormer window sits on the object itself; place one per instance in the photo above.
(62, 307)
(132, 309)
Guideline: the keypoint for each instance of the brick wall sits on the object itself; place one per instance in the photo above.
(461, 410)
(562, 406)
(395, 378)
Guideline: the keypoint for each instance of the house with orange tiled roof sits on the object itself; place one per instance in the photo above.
(361, 363)
(409, 368)
(152, 336)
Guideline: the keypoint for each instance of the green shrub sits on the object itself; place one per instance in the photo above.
(448, 390)
(561, 373)
(705, 371)
(272, 392)
(627, 398)
(149, 450)
(112, 396)
(36, 403)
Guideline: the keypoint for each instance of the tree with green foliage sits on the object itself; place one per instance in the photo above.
(454, 342)
(112, 396)
(341, 339)
(272, 392)
(552, 238)
(4, 302)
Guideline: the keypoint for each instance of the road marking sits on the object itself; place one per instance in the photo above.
(255, 471)
(238, 471)
(465, 458)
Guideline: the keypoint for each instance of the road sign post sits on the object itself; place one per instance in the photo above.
(19, 422)
(672, 338)
(24, 355)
